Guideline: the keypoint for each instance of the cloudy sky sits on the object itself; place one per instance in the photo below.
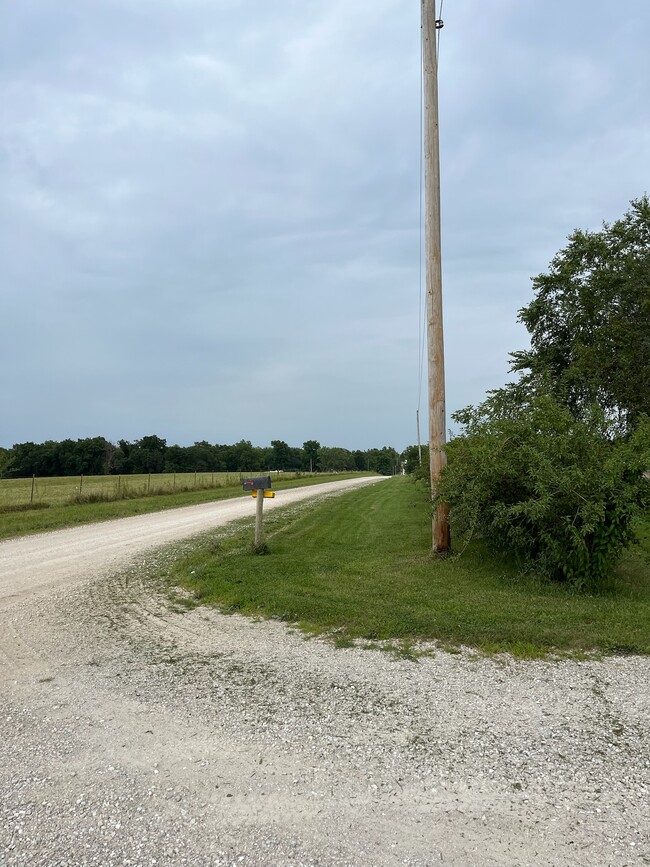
(209, 209)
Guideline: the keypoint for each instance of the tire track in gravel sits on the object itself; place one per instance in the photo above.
(33, 565)
(202, 738)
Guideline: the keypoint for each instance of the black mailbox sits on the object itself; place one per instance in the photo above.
(259, 483)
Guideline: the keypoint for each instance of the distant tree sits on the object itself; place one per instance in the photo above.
(122, 457)
(296, 459)
(110, 452)
(242, 457)
(361, 460)
(281, 455)
(589, 322)
(335, 459)
(5, 461)
(201, 457)
(384, 460)
(311, 457)
(91, 455)
(177, 460)
(40, 459)
(23, 460)
(410, 459)
(147, 455)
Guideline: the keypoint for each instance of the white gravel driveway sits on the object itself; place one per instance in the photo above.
(131, 734)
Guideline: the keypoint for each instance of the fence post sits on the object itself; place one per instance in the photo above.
(81, 483)
(31, 499)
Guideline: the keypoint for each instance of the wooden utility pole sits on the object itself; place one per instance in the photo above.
(435, 339)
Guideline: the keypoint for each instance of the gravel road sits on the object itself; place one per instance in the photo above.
(30, 564)
(133, 734)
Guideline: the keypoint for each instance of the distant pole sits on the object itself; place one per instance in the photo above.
(31, 499)
(435, 338)
(417, 418)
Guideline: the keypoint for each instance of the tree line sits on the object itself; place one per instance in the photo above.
(94, 456)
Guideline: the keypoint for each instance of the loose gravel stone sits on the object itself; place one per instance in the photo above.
(131, 734)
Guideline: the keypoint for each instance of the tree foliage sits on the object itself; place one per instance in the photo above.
(551, 467)
(311, 452)
(555, 490)
(5, 461)
(589, 321)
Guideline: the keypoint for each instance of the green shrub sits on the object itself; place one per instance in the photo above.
(555, 491)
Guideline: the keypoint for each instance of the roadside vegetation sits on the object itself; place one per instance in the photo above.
(66, 502)
(547, 487)
(553, 466)
(358, 567)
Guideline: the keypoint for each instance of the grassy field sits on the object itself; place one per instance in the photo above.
(359, 567)
(61, 503)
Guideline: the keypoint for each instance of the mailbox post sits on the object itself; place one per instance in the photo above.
(260, 488)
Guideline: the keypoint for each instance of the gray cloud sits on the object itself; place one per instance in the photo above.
(209, 211)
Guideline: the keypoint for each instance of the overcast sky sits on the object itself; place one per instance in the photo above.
(209, 209)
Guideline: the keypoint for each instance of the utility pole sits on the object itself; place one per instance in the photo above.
(435, 338)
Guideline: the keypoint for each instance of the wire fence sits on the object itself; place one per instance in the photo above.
(41, 492)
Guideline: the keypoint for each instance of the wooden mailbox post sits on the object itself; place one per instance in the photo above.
(260, 488)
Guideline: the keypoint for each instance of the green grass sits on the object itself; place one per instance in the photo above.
(358, 567)
(56, 507)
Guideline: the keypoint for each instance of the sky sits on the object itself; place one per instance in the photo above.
(210, 209)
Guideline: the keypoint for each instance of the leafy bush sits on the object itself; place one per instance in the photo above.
(554, 490)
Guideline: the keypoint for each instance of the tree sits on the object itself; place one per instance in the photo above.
(281, 456)
(384, 460)
(335, 459)
(555, 490)
(589, 321)
(410, 458)
(5, 461)
(147, 455)
(311, 457)
(242, 457)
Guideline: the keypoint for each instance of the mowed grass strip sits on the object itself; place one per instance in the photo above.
(59, 515)
(358, 566)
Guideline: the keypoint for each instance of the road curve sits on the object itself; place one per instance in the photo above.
(31, 564)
